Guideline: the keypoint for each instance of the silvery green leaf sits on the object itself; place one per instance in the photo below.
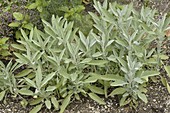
(98, 62)
(65, 103)
(24, 35)
(108, 17)
(97, 6)
(50, 88)
(122, 62)
(112, 58)
(63, 72)
(2, 94)
(132, 37)
(163, 57)
(108, 77)
(105, 4)
(30, 82)
(38, 55)
(24, 91)
(46, 23)
(19, 47)
(70, 48)
(95, 89)
(23, 73)
(150, 53)
(124, 101)
(129, 10)
(83, 39)
(55, 102)
(50, 32)
(138, 80)
(68, 35)
(149, 73)
(48, 104)
(113, 9)
(36, 109)
(166, 23)
(91, 79)
(21, 58)
(152, 61)
(38, 76)
(118, 83)
(66, 60)
(36, 101)
(73, 76)
(97, 54)
(165, 83)
(47, 39)
(162, 21)
(121, 42)
(167, 69)
(47, 78)
(96, 98)
(168, 28)
(92, 42)
(109, 43)
(94, 17)
(125, 70)
(61, 54)
(142, 96)
(86, 60)
(118, 91)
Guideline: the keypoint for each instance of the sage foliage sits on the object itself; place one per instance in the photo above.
(61, 63)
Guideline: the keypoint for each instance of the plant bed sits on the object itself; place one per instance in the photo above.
(116, 64)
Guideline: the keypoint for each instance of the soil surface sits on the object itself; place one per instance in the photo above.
(158, 96)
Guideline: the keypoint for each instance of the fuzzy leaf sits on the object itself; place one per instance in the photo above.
(63, 72)
(55, 102)
(2, 94)
(98, 62)
(23, 73)
(51, 88)
(19, 47)
(111, 77)
(167, 69)
(36, 101)
(30, 82)
(118, 83)
(65, 103)
(36, 109)
(38, 77)
(97, 54)
(147, 74)
(118, 91)
(48, 77)
(96, 98)
(21, 58)
(124, 101)
(48, 104)
(142, 97)
(91, 80)
(86, 60)
(95, 89)
(24, 91)
(165, 83)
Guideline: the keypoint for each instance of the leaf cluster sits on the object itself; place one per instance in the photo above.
(62, 63)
